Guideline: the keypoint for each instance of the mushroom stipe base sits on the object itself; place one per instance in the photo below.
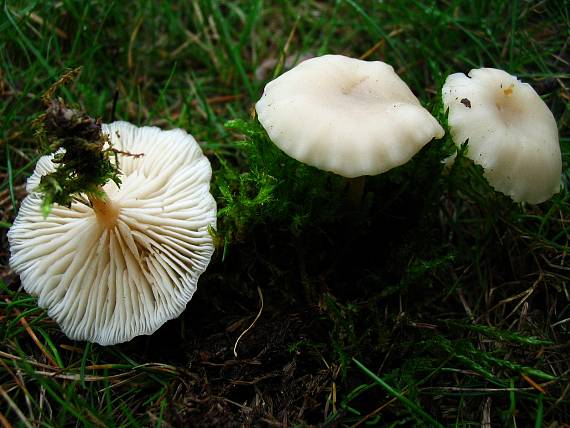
(106, 211)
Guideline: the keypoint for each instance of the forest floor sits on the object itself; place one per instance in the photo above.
(440, 303)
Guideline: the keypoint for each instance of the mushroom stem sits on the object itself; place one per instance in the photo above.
(355, 192)
(105, 210)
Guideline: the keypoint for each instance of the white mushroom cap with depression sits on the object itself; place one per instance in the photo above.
(510, 131)
(345, 115)
(108, 275)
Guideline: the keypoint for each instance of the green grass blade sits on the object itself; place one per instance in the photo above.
(11, 180)
(539, 412)
(412, 407)
(233, 50)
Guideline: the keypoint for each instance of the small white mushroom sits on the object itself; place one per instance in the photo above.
(345, 115)
(128, 264)
(510, 131)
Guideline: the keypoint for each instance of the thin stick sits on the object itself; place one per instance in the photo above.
(373, 413)
(252, 324)
(31, 333)
(534, 384)
(4, 421)
(15, 408)
(31, 362)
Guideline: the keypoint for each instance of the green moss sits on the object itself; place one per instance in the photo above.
(274, 188)
(83, 162)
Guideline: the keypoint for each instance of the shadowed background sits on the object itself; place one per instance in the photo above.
(452, 295)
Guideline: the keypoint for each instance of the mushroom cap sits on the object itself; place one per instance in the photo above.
(109, 282)
(345, 115)
(512, 134)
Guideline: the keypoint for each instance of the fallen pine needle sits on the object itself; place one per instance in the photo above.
(15, 408)
(533, 384)
(4, 421)
(31, 333)
(252, 324)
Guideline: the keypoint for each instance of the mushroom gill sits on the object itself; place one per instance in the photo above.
(127, 264)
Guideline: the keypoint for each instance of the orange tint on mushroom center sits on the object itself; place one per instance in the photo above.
(106, 211)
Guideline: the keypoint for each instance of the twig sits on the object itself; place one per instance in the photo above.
(41, 22)
(534, 384)
(219, 99)
(19, 382)
(132, 39)
(4, 421)
(122, 152)
(460, 389)
(15, 408)
(486, 417)
(281, 61)
(373, 413)
(79, 377)
(31, 333)
(380, 44)
(31, 362)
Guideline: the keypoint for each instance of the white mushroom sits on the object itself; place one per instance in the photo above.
(124, 267)
(345, 115)
(510, 131)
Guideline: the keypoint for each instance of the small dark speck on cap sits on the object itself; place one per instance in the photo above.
(466, 102)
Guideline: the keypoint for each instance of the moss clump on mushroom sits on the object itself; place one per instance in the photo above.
(112, 263)
(110, 269)
(84, 165)
(81, 152)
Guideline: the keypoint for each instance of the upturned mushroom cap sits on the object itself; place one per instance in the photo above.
(122, 272)
(345, 115)
(510, 131)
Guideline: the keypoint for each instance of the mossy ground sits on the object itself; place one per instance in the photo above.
(439, 302)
